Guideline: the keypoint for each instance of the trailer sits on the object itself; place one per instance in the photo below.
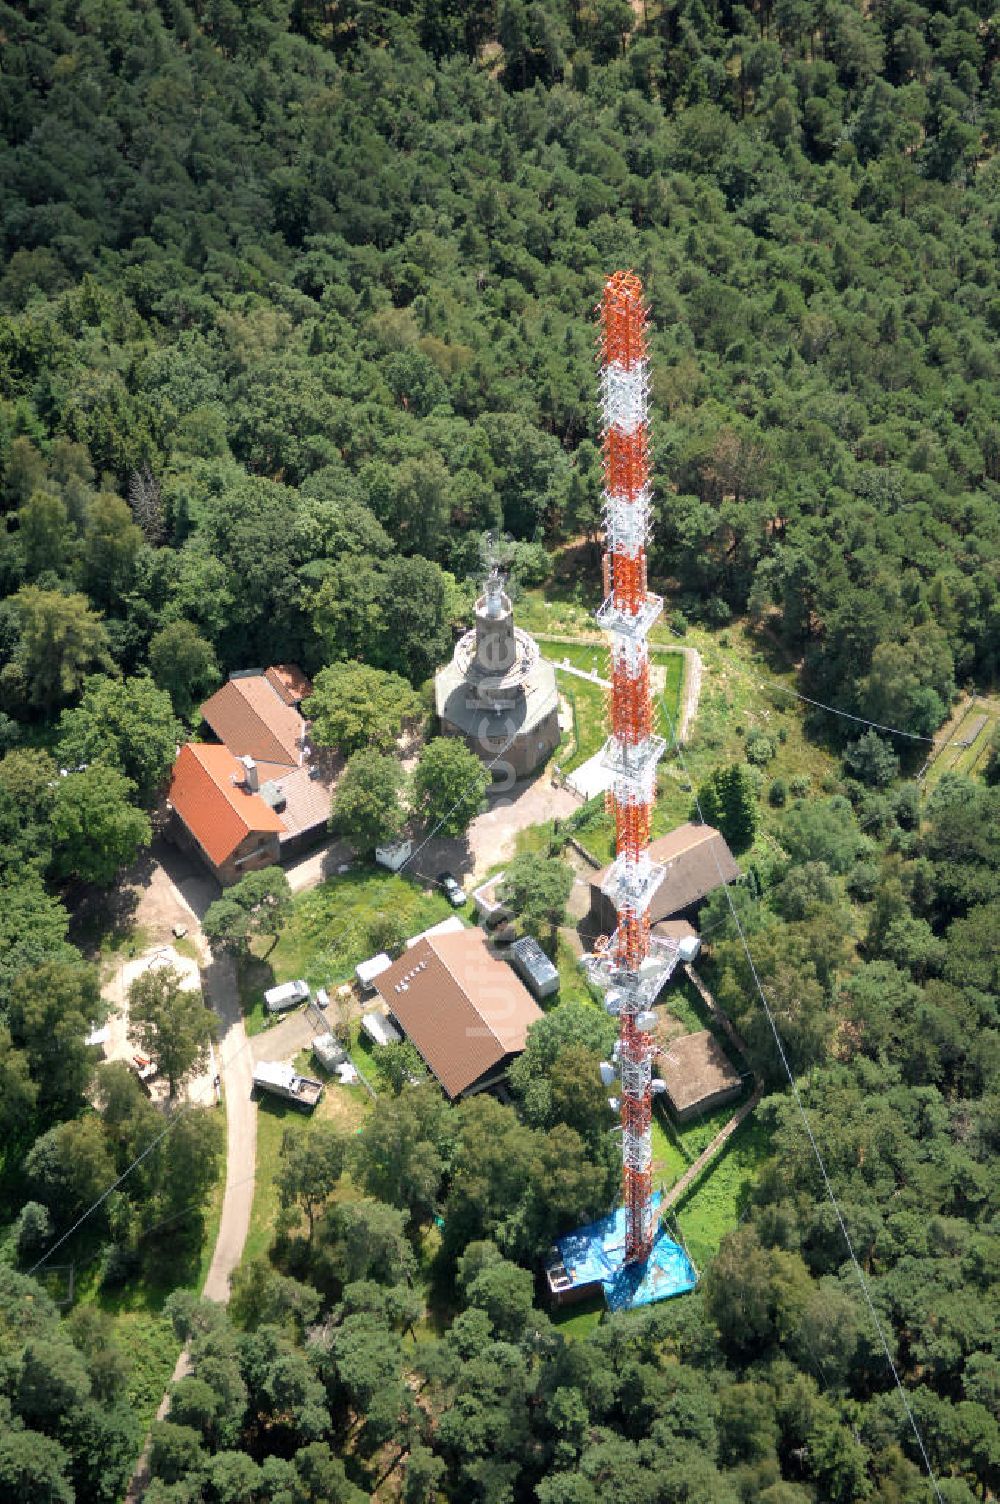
(282, 1080)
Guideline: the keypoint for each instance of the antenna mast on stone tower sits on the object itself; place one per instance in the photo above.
(631, 966)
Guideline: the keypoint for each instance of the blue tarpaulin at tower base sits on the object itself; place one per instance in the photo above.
(595, 1255)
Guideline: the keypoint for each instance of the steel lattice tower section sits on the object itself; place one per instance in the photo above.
(630, 966)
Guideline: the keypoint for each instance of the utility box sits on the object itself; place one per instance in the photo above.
(534, 967)
(395, 856)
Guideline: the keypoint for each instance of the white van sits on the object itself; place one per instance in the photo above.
(285, 996)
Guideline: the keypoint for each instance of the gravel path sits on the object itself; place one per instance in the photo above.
(691, 692)
(236, 1069)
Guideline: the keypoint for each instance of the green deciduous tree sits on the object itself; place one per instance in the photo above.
(70, 1165)
(367, 806)
(127, 724)
(368, 1242)
(34, 1467)
(52, 1009)
(823, 830)
(537, 889)
(354, 706)
(183, 663)
(33, 928)
(449, 785)
(403, 1152)
(310, 1168)
(27, 792)
(62, 640)
(111, 544)
(259, 904)
(169, 1022)
(96, 829)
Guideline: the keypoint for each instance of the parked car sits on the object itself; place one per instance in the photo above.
(277, 999)
(454, 892)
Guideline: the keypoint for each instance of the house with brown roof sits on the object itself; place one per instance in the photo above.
(696, 860)
(462, 1008)
(697, 1073)
(258, 723)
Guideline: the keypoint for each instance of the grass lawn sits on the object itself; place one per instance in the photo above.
(589, 705)
(966, 761)
(344, 1105)
(573, 986)
(589, 701)
(580, 1320)
(716, 1202)
(329, 933)
(734, 702)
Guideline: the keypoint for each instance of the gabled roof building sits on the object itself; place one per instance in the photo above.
(255, 796)
(697, 861)
(462, 1008)
(229, 824)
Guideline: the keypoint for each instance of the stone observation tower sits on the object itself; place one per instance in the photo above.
(497, 692)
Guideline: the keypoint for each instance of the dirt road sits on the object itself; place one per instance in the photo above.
(236, 1069)
(691, 692)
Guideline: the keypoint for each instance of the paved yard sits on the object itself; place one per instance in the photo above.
(284, 1040)
(491, 836)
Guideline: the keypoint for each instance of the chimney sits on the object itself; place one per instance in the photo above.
(251, 779)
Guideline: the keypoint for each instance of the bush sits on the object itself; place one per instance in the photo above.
(862, 880)
(387, 931)
(799, 785)
(760, 749)
(777, 794)
(119, 1264)
(32, 1230)
(678, 623)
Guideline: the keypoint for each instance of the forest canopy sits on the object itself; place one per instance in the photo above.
(295, 304)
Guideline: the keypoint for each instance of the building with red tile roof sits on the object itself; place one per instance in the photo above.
(254, 720)
(232, 827)
(290, 682)
(263, 757)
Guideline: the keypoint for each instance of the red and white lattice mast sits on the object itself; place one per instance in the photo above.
(630, 965)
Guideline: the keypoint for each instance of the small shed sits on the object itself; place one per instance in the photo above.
(698, 1074)
(380, 1029)
(328, 1051)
